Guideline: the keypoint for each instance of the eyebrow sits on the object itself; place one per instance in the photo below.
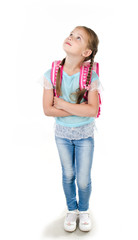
(78, 34)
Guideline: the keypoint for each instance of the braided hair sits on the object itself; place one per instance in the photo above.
(58, 87)
(93, 42)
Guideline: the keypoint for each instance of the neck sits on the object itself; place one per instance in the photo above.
(72, 63)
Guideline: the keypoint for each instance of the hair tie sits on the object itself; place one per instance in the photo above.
(87, 87)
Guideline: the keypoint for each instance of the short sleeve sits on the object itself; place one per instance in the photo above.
(45, 80)
(95, 82)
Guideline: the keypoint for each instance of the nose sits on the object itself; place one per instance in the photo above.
(70, 37)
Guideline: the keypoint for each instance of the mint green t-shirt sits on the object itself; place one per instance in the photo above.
(69, 85)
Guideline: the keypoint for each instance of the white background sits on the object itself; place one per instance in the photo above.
(32, 202)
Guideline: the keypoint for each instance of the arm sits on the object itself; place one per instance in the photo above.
(86, 110)
(48, 108)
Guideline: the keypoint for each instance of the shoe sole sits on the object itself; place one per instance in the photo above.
(69, 230)
(85, 229)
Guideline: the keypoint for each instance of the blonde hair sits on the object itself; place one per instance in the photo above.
(93, 42)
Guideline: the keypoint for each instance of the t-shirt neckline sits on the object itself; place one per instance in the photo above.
(70, 75)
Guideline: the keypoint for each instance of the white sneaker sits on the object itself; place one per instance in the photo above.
(84, 221)
(70, 220)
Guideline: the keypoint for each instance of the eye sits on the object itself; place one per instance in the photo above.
(79, 38)
(71, 34)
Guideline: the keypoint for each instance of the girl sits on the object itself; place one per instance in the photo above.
(74, 125)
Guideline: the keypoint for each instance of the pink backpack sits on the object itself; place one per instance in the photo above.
(82, 81)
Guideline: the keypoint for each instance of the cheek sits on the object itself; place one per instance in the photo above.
(77, 47)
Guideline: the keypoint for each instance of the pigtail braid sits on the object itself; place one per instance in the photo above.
(90, 69)
(58, 86)
(82, 92)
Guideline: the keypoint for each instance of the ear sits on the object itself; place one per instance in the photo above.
(87, 53)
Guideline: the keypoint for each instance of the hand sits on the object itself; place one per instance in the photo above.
(84, 102)
(58, 102)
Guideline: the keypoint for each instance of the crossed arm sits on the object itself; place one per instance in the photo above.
(57, 107)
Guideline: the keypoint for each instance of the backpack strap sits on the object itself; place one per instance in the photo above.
(84, 72)
(96, 69)
(54, 70)
(83, 78)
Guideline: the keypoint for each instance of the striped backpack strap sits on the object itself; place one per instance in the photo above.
(83, 77)
(54, 70)
(96, 69)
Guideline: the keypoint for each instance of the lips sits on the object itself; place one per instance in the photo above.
(68, 43)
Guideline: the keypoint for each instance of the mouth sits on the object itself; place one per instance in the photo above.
(68, 43)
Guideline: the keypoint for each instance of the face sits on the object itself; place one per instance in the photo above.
(76, 43)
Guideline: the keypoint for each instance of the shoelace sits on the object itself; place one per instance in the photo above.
(71, 217)
(84, 217)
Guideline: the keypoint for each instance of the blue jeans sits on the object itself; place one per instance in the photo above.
(76, 158)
